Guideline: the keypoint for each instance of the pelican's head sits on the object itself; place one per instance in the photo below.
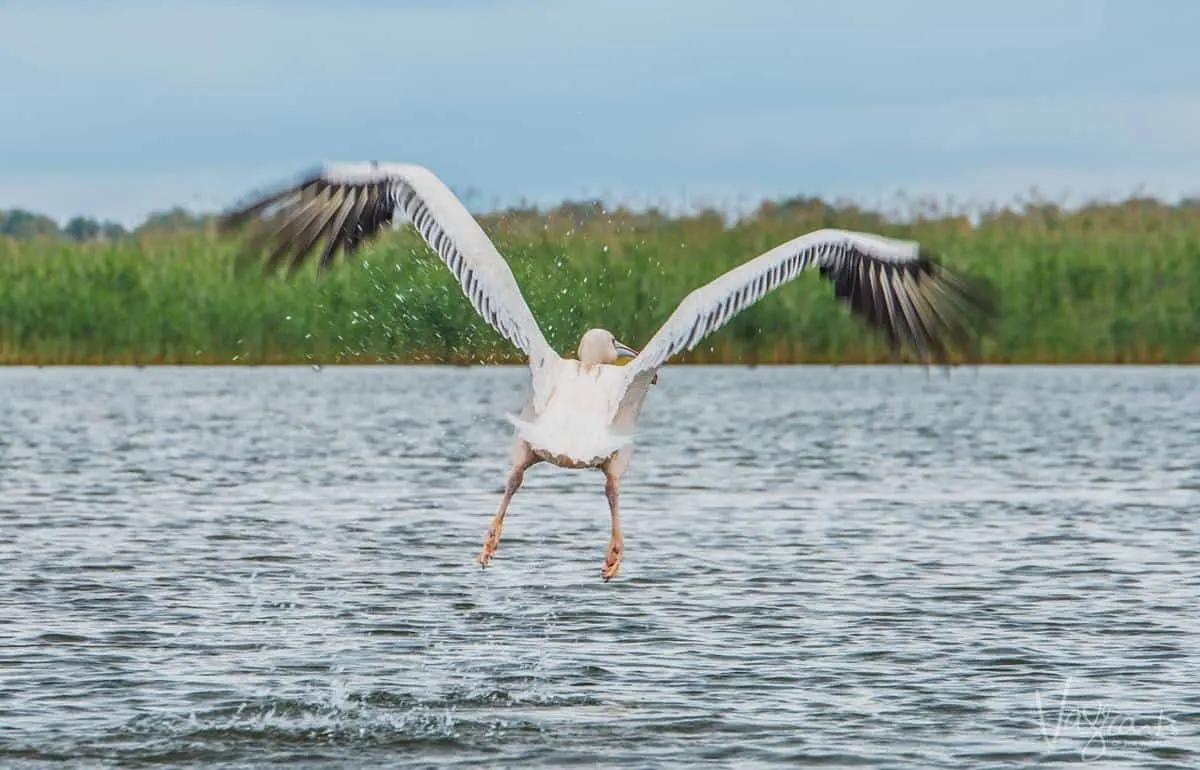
(599, 346)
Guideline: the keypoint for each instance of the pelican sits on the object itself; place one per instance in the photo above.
(582, 412)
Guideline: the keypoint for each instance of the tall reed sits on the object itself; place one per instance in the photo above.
(1117, 283)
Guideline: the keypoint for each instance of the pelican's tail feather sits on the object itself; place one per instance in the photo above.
(581, 441)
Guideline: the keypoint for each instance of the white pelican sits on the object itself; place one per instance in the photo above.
(581, 413)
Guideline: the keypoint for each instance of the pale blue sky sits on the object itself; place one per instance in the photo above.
(118, 108)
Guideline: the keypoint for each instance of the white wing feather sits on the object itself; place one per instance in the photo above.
(888, 281)
(348, 203)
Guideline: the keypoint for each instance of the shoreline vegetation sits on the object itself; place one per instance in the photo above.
(1113, 283)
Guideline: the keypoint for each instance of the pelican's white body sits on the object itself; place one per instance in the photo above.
(577, 426)
(582, 413)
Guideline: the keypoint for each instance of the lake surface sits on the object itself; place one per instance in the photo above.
(876, 567)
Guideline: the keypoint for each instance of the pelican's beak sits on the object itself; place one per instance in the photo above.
(624, 351)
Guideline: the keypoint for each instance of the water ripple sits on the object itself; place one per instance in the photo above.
(866, 567)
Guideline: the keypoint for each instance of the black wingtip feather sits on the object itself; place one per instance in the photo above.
(310, 216)
(921, 304)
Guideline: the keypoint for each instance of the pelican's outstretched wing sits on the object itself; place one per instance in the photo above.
(347, 204)
(892, 284)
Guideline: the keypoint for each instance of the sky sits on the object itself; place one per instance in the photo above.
(120, 108)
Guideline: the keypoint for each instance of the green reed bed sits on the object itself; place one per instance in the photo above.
(1107, 284)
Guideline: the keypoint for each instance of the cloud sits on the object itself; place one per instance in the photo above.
(132, 102)
(127, 197)
(1154, 126)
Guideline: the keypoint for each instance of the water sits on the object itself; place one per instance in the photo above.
(844, 567)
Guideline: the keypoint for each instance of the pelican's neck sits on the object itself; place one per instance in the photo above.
(589, 368)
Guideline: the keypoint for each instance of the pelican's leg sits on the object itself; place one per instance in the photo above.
(616, 544)
(524, 461)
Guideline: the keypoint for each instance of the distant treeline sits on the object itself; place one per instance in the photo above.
(1113, 282)
(25, 225)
